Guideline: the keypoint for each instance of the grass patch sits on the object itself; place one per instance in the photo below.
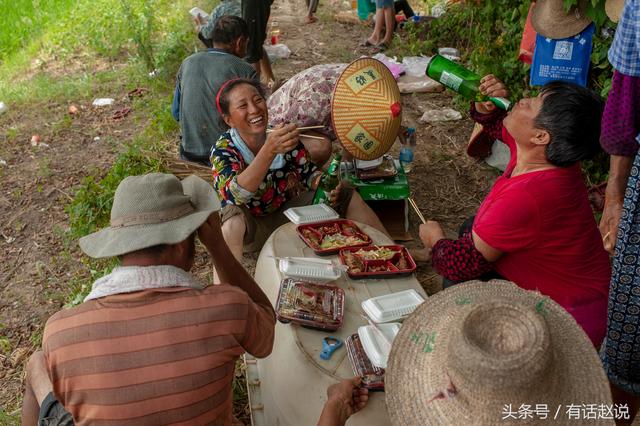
(7, 419)
(91, 206)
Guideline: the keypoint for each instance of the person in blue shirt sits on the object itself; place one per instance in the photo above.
(198, 81)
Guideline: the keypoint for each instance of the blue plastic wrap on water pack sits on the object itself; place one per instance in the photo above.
(564, 59)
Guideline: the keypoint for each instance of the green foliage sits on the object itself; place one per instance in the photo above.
(488, 34)
(141, 24)
(90, 209)
(7, 419)
(79, 287)
(23, 20)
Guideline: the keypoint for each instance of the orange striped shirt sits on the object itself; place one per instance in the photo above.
(154, 357)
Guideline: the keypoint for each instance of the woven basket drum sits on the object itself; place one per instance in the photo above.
(365, 109)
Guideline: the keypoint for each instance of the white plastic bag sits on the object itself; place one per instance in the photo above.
(396, 68)
(422, 84)
(500, 156)
(416, 65)
(277, 51)
(438, 115)
(100, 102)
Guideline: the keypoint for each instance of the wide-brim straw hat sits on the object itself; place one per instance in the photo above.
(152, 209)
(366, 111)
(550, 20)
(614, 9)
(471, 352)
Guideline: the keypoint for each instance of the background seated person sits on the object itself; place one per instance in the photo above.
(258, 175)
(205, 26)
(199, 79)
(536, 227)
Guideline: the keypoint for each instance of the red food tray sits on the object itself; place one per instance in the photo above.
(310, 305)
(399, 265)
(314, 234)
(372, 377)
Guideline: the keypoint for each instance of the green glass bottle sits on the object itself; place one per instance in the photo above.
(328, 182)
(461, 80)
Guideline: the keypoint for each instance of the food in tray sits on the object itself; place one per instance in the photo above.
(379, 253)
(378, 268)
(376, 259)
(330, 230)
(353, 262)
(329, 237)
(312, 236)
(349, 229)
(372, 376)
(313, 305)
(340, 240)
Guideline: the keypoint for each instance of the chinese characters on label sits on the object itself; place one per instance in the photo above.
(565, 412)
(363, 79)
(363, 139)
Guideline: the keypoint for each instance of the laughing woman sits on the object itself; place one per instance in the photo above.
(259, 175)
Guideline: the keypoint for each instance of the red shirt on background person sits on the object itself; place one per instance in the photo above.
(536, 227)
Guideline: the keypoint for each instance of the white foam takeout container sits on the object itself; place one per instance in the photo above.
(309, 269)
(377, 342)
(368, 164)
(311, 214)
(393, 306)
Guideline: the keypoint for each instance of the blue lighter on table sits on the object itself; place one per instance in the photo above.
(329, 345)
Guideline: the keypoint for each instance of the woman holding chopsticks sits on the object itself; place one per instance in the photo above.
(259, 172)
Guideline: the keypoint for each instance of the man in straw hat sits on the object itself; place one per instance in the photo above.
(150, 344)
(487, 354)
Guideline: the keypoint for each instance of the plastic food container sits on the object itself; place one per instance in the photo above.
(310, 305)
(310, 269)
(331, 236)
(393, 306)
(377, 261)
(311, 214)
(377, 342)
(372, 376)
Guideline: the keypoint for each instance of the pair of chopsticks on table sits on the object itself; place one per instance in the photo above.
(417, 210)
(305, 128)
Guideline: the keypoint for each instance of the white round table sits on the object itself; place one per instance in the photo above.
(293, 380)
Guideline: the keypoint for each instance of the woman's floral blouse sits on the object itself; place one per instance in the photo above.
(278, 186)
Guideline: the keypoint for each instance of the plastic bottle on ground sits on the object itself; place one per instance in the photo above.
(406, 151)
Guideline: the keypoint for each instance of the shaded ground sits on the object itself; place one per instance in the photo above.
(38, 182)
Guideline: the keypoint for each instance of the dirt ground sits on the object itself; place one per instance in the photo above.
(37, 183)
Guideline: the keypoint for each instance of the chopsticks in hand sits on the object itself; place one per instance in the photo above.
(417, 210)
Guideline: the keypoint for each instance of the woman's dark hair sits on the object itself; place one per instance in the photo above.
(228, 29)
(223, 96)
(571, 114)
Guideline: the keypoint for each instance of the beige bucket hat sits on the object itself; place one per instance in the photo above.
(366, 109)
(550, 20)
(614, 9)
(472, 350)
(152, 209)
